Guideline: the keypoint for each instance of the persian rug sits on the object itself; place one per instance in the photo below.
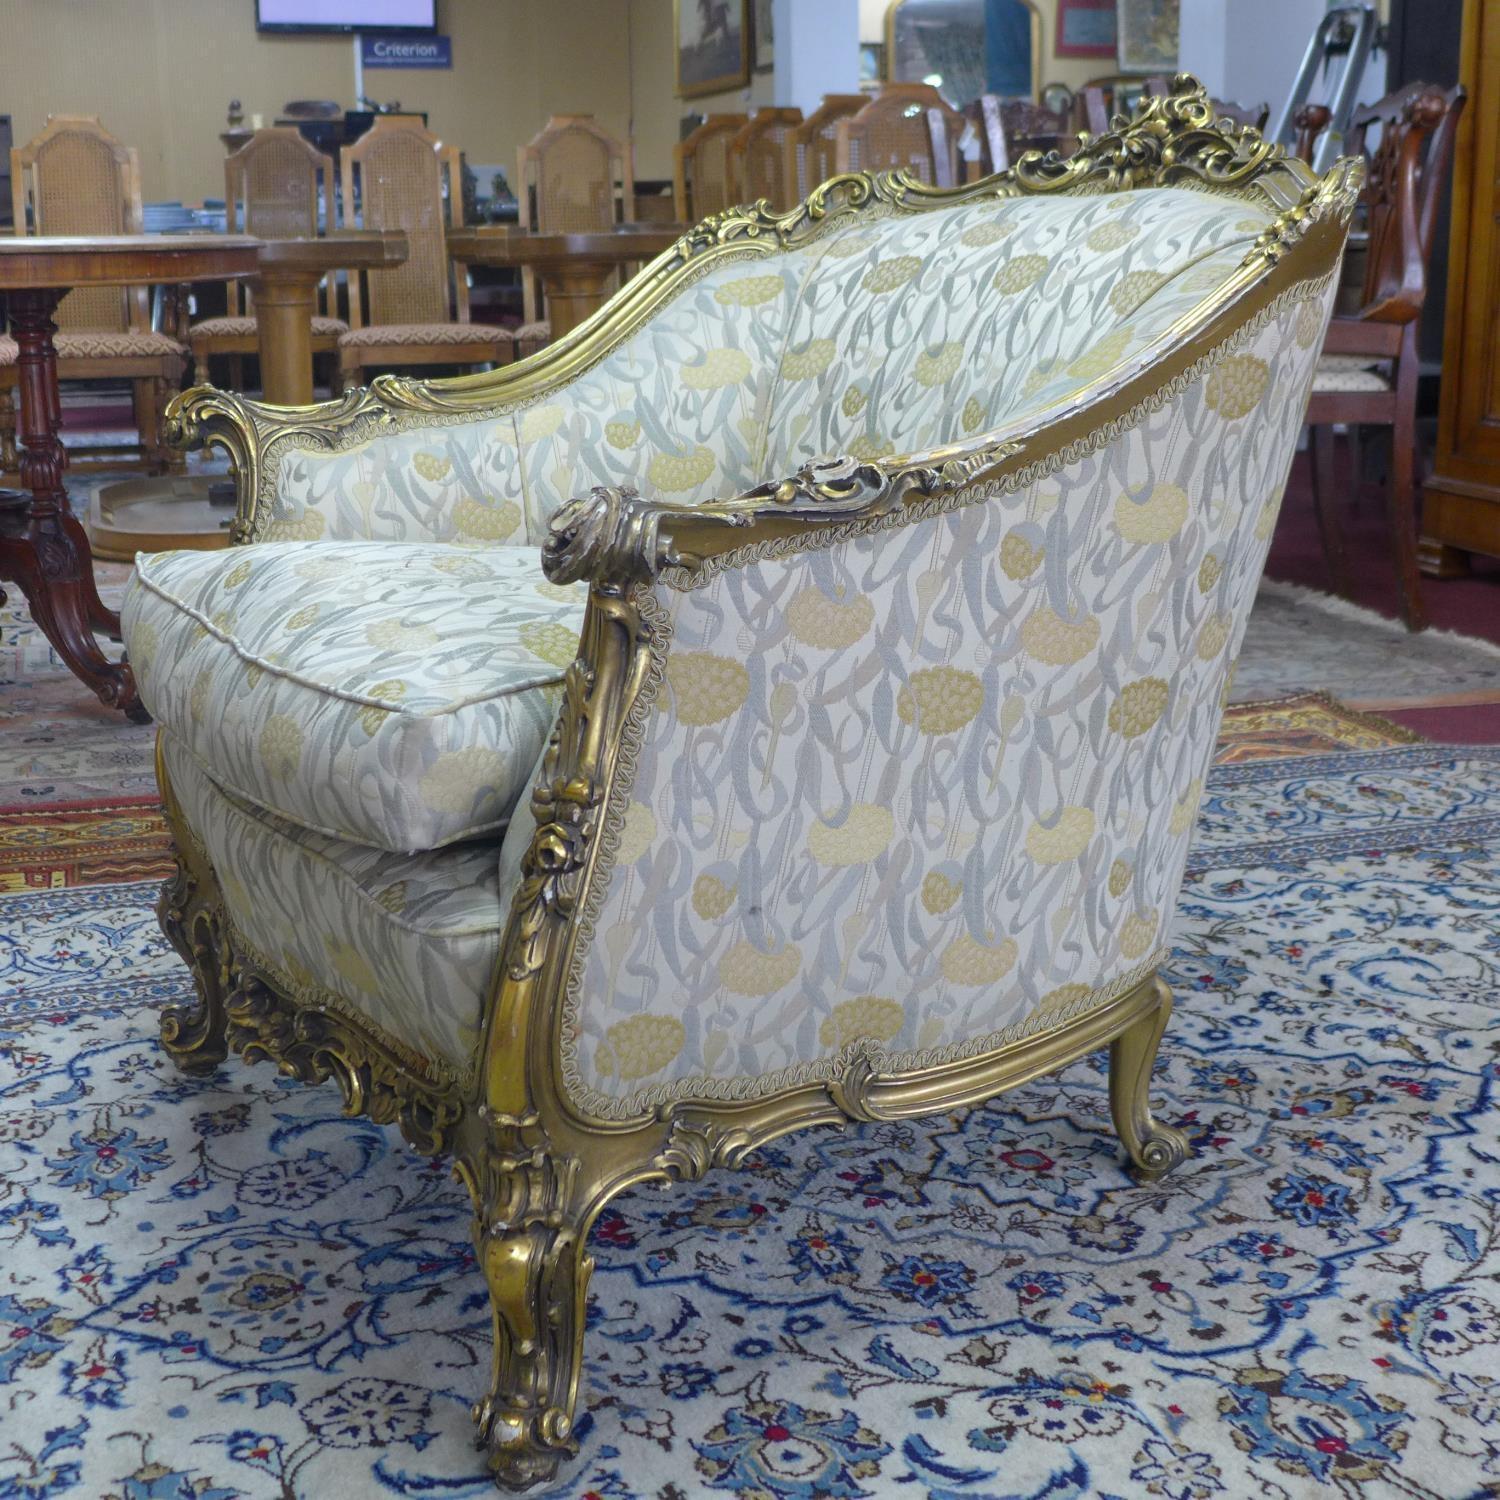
(219, 1288)
(1299, 641)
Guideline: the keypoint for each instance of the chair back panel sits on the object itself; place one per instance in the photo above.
(813, 146)
(403, 171)
(84, 182)
(574, 177)
(1402, 189)
(272, 190)
(704, 182)
(893, 131)
(758, 158)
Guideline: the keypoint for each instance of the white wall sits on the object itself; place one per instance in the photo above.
(817, 51)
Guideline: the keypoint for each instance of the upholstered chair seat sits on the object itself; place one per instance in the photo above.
(423, 679)
(1351, 372)
(784, 700)
(246, 328)
(103, 343)
(427, 333)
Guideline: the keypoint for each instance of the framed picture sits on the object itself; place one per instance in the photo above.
(713, 46)
(871, 65)
(762, 36)
(1147, 36)
(1086, 28)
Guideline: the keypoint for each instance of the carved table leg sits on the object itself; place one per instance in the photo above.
(530, 1227)
(574, 292)
(1154, 1148)
(49, 556)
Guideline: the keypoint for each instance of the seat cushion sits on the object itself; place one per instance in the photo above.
(381, 334)
(390, 694)
(1349, 372)
(407, 941)
(104, 343)
(246, 328)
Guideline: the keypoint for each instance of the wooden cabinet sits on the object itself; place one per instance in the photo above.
(1461, 512)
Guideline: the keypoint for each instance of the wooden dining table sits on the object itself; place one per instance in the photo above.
(43, 546)
(285, 287)
(577, 271)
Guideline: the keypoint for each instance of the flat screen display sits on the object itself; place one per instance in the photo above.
(346, 15)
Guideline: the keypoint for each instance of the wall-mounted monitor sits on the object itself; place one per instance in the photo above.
(346, 15)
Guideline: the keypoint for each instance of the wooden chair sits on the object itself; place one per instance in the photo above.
(704, 182)
(76, 178)
(1368, 374)
(572, 178)
(1101, 99)
(417, 313)
(1311, 121)
(273, 188)
(758, 158)
(1008, 128)
(812, 146)
(1253, 115)
(895, 129)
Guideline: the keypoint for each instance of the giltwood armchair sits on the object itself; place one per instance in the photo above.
(864, 692)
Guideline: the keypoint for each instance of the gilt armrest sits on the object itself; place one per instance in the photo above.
(613, 537)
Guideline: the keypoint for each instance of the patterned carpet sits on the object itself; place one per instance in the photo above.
(217, 1289)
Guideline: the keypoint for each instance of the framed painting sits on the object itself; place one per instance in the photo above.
(1147, 36)
(871, 65)
(762, 35)
(713, 46)
(1086, 28)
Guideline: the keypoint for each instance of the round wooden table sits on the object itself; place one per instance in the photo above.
(575, 269)
(285, 285)
(43, 548)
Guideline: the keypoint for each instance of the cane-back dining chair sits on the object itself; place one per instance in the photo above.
(1368, 373)
(758, 158)
(895, 129)
(572, 178)
(277, 186)
(703, 181)
(75, 178)
(400, 176)
(812, 147)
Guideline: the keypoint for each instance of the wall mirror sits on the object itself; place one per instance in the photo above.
(965, 48)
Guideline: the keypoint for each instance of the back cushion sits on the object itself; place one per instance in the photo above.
(895, 335)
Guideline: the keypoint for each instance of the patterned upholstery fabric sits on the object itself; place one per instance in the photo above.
(246, 327)
(392, 695)
(101, 343)
(887, 338)
(381, 334)
(1350, 372)
(934, 784)
(407, 941)
(9, 350)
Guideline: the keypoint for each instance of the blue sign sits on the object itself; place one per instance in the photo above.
(377, 51)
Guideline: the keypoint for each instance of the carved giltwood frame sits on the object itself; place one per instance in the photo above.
(539, 1166)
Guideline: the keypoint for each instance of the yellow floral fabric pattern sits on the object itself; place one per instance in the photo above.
(947, 324)
(679, 409)
(409, 941)
(886, 338)
(392, 694)
(935, 782)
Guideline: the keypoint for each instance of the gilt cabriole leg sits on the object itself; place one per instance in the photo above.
(531, 1220)
(191, 912)
(1154, 1148)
